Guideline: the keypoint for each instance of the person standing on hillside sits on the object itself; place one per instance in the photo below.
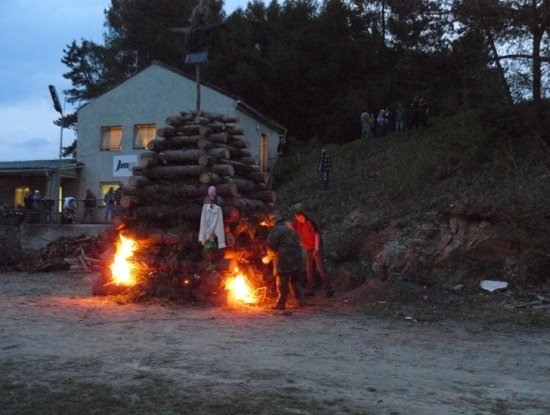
(365, 124)
(414, 113)
(383, 122)
(283, 248)
(324, 166)
(400, 118)
(310, 238)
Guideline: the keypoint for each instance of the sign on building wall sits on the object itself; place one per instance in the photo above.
(122, 165)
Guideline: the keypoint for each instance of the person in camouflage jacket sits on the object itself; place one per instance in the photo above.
(285, 250)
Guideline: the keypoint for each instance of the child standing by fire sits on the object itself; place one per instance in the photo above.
(310, 238)
(211, 232)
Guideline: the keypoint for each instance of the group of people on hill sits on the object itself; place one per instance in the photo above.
(379, 123)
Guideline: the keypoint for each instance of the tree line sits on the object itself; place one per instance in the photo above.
(314, 65)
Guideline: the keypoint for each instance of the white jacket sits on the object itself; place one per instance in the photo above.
(212, 224)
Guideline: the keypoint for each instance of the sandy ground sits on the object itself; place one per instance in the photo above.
(65, 351)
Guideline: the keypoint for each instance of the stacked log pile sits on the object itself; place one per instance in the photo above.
(162, 205)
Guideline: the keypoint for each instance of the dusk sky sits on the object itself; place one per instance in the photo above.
(33, 34)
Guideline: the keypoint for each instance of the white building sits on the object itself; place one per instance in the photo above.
(114, 128)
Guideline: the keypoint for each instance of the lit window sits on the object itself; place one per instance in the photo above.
(143, 134)
(264, 152)
(20, 196)
(105, 186)
(111, 138)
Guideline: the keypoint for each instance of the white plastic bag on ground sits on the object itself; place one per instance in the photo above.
(491, 286)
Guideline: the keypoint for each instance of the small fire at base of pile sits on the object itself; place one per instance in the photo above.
(122, 268)
(135, 273)
(240, 291)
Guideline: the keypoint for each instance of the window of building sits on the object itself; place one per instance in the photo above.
(143, 134)
(111, 138)
(20, 196)
(264, 152)
(105, 186)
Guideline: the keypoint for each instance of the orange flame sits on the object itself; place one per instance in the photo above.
(240, 289)
(122, 268)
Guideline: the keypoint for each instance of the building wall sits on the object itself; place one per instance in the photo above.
(253, 129)
(150, 96)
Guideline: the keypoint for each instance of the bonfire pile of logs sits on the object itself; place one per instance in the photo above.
(192, 152)
(162, 205)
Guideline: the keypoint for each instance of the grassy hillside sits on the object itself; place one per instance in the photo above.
(451, 168)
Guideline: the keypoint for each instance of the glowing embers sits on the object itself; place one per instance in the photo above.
(123, 269)
(240, 291)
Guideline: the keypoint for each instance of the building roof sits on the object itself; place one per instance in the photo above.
(34, 168)
(241, 105)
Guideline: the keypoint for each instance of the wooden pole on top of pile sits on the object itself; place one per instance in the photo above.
(196, 36)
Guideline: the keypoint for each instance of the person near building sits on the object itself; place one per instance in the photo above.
(109, 200)
(310, 238)
(90, 204)
(324, 166)
(281, 150)
(36, 206)
(48, 205)
(283, 248)
(69, 210)
(27, 203)
(118, 195)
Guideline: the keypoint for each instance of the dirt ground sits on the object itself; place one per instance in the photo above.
(65, 351)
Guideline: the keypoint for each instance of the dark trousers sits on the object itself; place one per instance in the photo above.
(314, 259)
(325, 178)
(284, 281)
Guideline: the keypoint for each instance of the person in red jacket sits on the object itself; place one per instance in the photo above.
(310, 239)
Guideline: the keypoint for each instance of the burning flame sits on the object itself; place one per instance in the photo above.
(240, 289)
(122, 268)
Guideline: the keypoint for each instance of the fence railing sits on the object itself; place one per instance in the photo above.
(48, 212)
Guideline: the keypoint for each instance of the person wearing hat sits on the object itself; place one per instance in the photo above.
(283, 248)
